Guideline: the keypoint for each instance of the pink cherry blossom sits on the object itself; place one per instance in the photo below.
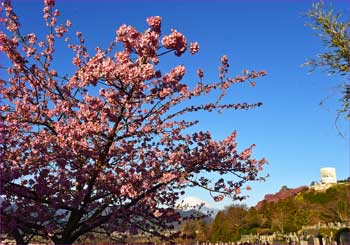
(49, 2)
(111, 142)
(200, 73)
(154, 22)
(194, 48)
(157, 213)
(218, 198)
(31, 38)
(68, 23)
(60, 30)
(56, 13)
(176, 41)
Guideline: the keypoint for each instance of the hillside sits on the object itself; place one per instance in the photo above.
(285, 211)
(282, 194)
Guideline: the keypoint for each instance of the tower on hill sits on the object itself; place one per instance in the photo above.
(328, 176)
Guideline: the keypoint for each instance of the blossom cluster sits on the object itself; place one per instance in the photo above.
(155, 23)
(176, 41)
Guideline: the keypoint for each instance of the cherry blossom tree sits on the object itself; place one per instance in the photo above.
(106, 149)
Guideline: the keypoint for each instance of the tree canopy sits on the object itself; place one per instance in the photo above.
(105, 149)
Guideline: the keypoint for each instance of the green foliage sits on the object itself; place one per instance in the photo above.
(288, 214)
(335, 36)
(327, 232)
(219, 230)
(344, 180)
(319, 197)
(228, 225)
(192, 231)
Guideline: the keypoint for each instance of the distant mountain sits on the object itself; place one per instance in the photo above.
(192, 203)
(207, 218)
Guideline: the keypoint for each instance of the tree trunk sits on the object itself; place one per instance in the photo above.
(63, 241)
(19, 238)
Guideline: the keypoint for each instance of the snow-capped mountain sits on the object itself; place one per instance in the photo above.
(192, 203)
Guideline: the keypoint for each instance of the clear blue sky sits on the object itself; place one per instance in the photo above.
(291, 130)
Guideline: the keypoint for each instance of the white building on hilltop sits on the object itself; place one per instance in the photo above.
(328, 178)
